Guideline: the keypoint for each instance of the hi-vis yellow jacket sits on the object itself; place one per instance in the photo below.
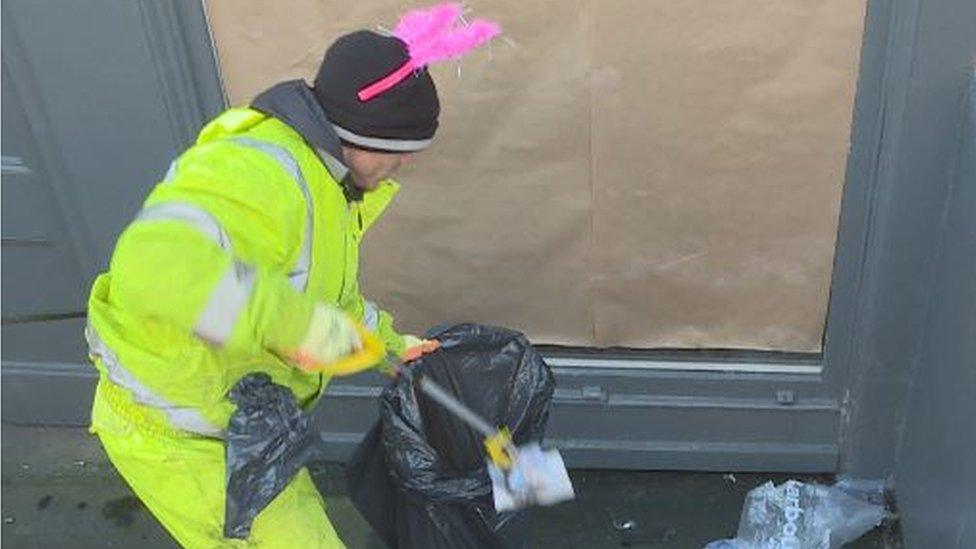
(218, 274)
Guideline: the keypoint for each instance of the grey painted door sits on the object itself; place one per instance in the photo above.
(43, 275)
(96, 99)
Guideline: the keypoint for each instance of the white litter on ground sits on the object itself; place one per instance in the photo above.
(538, 477)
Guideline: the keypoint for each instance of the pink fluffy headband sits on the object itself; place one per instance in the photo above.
(433, 34)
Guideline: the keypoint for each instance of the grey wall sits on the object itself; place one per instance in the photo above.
(915, 72)
(901, 334)
(936, 473)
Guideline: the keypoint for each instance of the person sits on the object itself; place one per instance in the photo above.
(244, 259)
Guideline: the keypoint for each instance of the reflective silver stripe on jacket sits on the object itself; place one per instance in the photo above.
(371, 316)
(232, 293)
(190, 214)
(298, 276)
(182, 417)
(227, 301)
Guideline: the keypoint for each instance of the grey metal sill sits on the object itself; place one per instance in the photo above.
(684, 360)
(684, 366)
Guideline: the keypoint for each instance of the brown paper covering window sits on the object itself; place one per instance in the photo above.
(639, 173)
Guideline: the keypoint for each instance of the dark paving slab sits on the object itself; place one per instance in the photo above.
(59, 490)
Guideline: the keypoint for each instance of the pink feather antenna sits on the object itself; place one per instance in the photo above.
(431, 35)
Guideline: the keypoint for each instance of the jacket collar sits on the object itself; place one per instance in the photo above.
(293, 103)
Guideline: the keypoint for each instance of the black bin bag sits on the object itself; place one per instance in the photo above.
(420, 477)
(269, 439)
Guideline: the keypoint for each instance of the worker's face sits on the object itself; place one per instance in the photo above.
(369, 168)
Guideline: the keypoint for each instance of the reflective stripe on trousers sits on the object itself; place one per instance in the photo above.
(181, 417)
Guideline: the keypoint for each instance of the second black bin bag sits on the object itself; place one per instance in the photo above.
(419, 476)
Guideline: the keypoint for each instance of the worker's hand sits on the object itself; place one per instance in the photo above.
(416, 347)
(331, 335)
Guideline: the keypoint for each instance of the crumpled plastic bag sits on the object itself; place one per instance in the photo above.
(537, 477)
(795, 515)
(269, 440)
(420, 477)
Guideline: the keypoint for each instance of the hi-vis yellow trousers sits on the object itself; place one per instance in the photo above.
(180, 478)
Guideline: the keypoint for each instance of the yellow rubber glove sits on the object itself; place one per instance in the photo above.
(331, 335)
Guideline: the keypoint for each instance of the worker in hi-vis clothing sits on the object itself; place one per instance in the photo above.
(244, 259)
